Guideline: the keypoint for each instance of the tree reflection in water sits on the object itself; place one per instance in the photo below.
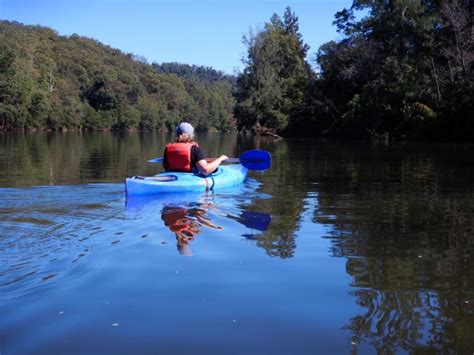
(406, 230)
(403, 218)
(401, 215)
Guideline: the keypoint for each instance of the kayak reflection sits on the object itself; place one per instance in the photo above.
(185, 223)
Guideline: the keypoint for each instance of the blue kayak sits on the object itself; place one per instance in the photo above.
(172, 182)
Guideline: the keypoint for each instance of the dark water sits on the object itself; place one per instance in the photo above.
(338, 248)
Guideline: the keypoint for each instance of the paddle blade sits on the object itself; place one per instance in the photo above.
(155, 160)
(256, 159)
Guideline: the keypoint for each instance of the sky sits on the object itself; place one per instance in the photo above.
(200, 32)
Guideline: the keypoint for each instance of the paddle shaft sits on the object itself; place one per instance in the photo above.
(251, 159)
(209, 160)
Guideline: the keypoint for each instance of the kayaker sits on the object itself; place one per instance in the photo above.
(185, 155)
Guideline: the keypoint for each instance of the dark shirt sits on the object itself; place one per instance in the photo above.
(196, 155)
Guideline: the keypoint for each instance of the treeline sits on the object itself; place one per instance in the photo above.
(205, 75)
(57, 82)
(405, 69)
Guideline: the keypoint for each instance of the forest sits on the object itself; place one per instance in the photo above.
(402, 69)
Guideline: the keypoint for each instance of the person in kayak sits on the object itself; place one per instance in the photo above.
(186, 156)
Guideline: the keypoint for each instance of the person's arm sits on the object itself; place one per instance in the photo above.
(205, 167)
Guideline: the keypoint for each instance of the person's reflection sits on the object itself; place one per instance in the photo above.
(185, 223)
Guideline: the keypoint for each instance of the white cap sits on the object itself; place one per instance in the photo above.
(184, 127)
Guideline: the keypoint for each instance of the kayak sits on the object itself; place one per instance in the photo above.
(176, 182)
(173, 182)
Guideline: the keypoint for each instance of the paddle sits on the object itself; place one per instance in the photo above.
(256, 159)
(155, 160)
(251, 159)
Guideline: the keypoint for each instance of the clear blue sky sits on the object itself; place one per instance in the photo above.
(201, 32)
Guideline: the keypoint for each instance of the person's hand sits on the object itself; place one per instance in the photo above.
(223, 157)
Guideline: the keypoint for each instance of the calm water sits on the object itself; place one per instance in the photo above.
(338, 248)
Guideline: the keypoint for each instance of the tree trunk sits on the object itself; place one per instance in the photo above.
(451, 74)
(436, 79)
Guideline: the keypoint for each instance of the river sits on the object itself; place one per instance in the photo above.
(339, 247)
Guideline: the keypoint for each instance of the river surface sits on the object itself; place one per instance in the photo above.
(340, 247)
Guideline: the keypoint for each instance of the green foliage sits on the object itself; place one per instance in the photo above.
(55, 82)
(271, 89)
(408, 63)
(405, 68)
(205, 75)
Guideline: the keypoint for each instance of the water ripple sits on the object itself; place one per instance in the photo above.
(44, 231)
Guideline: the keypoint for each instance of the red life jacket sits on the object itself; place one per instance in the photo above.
(178, 156)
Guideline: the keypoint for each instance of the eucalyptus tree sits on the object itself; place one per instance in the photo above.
(7, 87)
(271, 90)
